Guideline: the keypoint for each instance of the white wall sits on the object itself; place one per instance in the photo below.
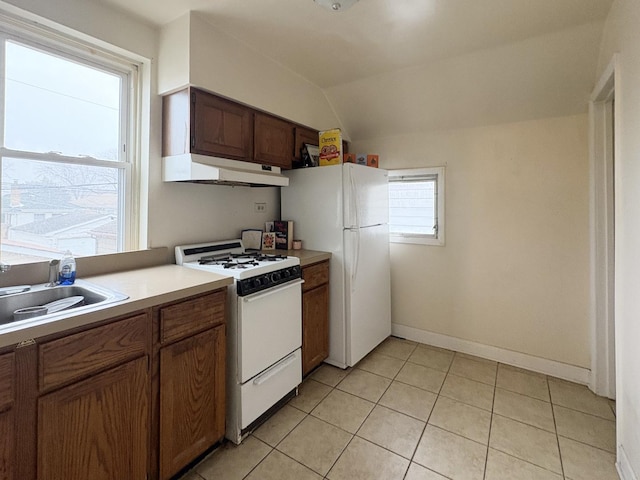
(541, 77)
(224, 66)
(621, 34)
(514, 271)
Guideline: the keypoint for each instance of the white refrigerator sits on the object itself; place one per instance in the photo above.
(344, 209)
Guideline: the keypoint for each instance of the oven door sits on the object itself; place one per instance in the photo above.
(269, 327)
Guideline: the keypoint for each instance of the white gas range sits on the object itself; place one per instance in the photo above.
(264, 327)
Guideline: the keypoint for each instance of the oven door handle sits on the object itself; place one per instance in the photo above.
(260, 379)
(271, 291)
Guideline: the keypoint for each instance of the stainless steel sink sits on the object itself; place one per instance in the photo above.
(95, 297)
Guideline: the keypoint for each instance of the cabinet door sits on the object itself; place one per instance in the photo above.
(303, 135)
(192, 398)
(97, 428)
(7, 441)
(273, 141)
(315, 327)
(221, 127)
(7, 427)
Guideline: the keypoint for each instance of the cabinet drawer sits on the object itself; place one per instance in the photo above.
(6, 380)
(191, 316)
(81, 354)
(315, 275)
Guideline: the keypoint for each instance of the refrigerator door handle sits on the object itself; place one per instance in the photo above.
(355, 257)
(355, 207)
(357, 261)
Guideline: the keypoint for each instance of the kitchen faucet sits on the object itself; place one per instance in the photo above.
(53, 273)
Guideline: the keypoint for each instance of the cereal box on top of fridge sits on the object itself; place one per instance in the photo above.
(330, 145)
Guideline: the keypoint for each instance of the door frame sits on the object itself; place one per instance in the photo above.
(603, 149)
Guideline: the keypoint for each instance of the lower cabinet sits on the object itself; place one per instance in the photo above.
(93, 407)
(191, 407)
(7, 417)
(135, 398)
(97, 428)
(315, 315)
(192, 413)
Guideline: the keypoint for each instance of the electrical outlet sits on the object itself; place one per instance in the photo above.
(260, 207)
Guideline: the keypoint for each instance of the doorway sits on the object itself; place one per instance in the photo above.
(603, 148)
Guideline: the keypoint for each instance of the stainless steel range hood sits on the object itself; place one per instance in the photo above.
(194, 168)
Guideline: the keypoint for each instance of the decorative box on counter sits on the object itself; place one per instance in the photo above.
(284, 234)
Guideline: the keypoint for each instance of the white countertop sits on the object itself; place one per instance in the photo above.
(145, 287)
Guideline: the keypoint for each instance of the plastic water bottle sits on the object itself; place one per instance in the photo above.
(67, 272)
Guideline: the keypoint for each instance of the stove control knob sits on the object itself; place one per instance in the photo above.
(287, 273)
(275, 277)
(257, 282)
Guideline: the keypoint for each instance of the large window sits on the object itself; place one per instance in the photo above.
(65, 150)
(416, 206)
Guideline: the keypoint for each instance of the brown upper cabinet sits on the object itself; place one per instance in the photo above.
(303, 135)
(273, 141)
(194, 121)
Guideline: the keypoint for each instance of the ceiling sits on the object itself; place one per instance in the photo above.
(374, 36)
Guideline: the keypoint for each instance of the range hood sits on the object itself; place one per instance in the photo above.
(194, 168)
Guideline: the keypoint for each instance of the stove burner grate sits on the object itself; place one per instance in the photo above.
(233, 260)
(237, 264)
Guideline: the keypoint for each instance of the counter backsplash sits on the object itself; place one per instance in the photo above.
(36, 273)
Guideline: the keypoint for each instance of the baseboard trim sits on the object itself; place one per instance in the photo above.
(623, 466)
(516, 359)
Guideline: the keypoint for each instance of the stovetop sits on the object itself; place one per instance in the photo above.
(240, 260)
(230, 258)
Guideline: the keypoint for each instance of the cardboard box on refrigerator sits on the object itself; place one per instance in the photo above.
(330, 145)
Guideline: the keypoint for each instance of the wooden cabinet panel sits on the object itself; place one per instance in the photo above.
(303, 135)
(192, 316)
(7, 380)
(273, 141)
(315, 315)
(97, 428)
(76, 356)
(192, 398)
(315, 275)
(315, 327)
(221, 127)
(7, 442)
(7, 416)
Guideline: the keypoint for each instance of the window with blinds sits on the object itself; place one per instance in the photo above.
(416, 206)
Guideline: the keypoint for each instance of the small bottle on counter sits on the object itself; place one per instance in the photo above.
(67, 272)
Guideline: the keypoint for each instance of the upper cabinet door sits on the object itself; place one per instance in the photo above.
(304, 135)
(273, 141)
(220, 127)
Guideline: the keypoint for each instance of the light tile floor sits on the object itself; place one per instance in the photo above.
(413, 412)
